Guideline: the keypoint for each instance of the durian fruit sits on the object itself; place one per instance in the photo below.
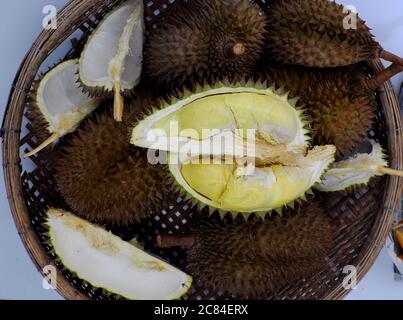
(262, 165)
(251, 259)
(105, 179)
(204, 40)
(313, 33)
(111, 60)
(105, 261)
(340, 107)
(57, 104)
(357, 170)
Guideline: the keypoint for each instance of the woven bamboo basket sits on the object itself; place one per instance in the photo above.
(361, 220)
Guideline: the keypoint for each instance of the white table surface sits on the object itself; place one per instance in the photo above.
(21, 22)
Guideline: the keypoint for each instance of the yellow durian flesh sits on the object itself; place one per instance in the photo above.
(214, 112)
(227, 187)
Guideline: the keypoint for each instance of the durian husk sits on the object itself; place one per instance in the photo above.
(340, 108)
(251, 259)
(311, 33)
(188, 46)
(105, 179)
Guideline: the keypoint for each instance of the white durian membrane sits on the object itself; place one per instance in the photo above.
(357, 170)
(62, 102)
(202, 117)
(106, 261)
(226, 186)
(112, 57)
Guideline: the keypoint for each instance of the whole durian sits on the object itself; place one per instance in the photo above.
(103, 178)
(317, 33)
(339, 105)
(251, 259)
(205, 39)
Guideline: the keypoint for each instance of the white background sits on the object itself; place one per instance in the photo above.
(21, 22)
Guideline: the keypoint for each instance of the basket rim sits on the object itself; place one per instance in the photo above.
(12, 169)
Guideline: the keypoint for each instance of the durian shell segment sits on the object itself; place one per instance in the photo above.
(355, 171)
(105, 179)
(196, 41)
(252, 259)
(340, 108)
(58, 104)
(107, 262)
(113, 53)
(199, 110)
(312, 33)
(226, 189)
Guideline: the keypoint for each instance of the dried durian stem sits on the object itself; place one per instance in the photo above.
(391, 172)
(383, 76)
(118, 102)
(43, 145)
(234, 49)
(175, 240)
(388, 56)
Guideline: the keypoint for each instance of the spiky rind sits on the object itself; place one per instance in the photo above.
(340, 108)
(313, 33)
(251, 259)
(103, 178)
(188, 45)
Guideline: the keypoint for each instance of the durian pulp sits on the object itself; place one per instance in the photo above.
(114, 52)
(223, 112)
(227, 188)
(357, 170)
(107, 262)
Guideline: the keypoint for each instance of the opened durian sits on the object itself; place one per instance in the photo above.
(320, 33)
(357, 170)
(105, 179)
(112, 58)
(259, 127)
(105, 261)
(205, 40)
(251, 259)
(57, 104)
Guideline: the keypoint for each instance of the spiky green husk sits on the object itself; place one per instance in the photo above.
(251, 259)
(341, 109)
(311, 33)
(188, 45)
(104, 178)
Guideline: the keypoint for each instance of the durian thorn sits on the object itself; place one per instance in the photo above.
(43, 145)
(391, 172)
(234, 49)
(383, 76)
(389, 56)
(175, 240)
(118, 102)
